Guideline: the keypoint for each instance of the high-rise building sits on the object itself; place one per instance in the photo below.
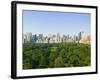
(58, 37)
(24, 38)
(45, 40)
(64, 38)
(27, 37)
(86, 39)
(80, 35)
(34, 38)
(54, 38)
(40, 38)
(75, 38)
(69, 36)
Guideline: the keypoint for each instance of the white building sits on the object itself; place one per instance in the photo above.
(27, 37)
(86, 39)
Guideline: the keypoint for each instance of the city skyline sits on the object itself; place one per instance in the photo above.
(56, 38)
(48, 35)
(55, 34)
(46, 23)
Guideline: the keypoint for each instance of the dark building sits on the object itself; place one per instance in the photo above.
(34, 38)
(79, 36)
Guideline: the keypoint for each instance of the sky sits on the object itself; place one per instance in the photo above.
(43, 22)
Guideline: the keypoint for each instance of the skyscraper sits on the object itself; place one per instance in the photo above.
(75, 38)
(40, 38)
(58, 37)
(80, 36)
(64, 38)
(34, 38)
(27, 37)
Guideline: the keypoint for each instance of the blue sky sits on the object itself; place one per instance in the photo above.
(41, 22)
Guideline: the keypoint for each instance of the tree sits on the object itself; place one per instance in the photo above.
(27, 64)
(51, 59)
(42, 63)
(59, 62)
(55, 55)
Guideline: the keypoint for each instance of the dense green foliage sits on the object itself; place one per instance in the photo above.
(53, 55)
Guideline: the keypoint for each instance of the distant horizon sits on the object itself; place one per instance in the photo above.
(41, 22)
